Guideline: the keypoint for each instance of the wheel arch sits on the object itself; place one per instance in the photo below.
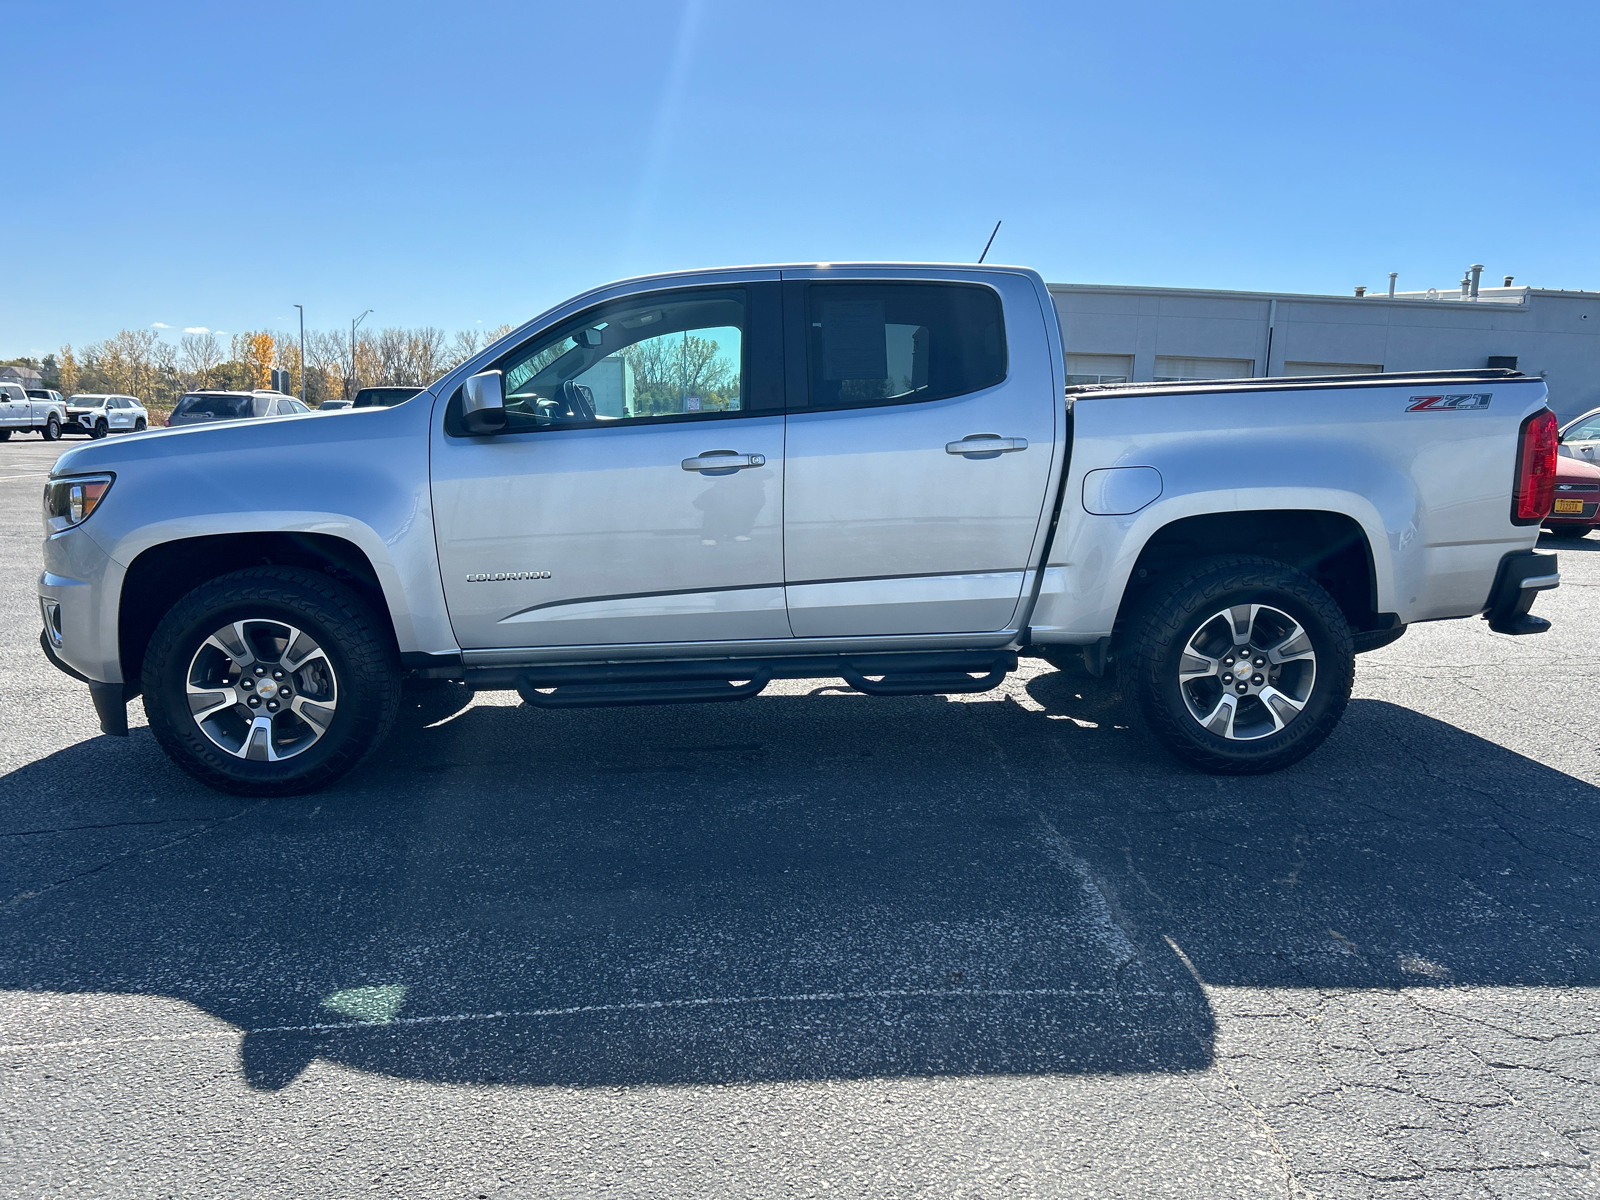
(164, 573)
(1331, 547)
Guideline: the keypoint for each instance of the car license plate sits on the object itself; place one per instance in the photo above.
(1569, 506)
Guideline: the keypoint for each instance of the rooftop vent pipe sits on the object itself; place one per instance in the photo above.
(1361, 291)
(1477, 273)
(1508, 281)
(1466, 286)
(1393, 275)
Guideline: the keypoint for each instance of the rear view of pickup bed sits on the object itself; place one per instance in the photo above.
(680, 487)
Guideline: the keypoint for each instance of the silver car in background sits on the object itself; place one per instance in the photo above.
(209, 407)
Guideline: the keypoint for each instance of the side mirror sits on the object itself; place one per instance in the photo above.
(483, 403)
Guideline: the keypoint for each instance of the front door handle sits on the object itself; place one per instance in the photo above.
(723, 462)
(985, 445)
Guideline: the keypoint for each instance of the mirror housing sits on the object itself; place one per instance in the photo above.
(483, 403)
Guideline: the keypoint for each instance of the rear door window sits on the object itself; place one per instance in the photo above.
(898, 343)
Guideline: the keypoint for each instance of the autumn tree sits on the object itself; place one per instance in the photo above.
(67, 371)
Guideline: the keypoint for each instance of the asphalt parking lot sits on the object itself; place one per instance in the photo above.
(814, 944)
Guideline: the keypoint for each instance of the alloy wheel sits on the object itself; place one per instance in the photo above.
(262, 690)
(1247, 672)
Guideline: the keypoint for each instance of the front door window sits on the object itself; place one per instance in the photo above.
(658, 358)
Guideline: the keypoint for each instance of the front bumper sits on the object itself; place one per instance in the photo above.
(1523, 574)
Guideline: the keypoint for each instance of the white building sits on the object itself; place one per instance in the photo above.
(1142, 333)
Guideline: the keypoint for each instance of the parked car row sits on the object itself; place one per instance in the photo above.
(43, 411)
(96, 415)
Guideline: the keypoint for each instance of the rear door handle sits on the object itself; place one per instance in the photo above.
(723, 462)
(985, 445)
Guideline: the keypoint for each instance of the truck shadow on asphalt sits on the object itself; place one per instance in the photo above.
(799, 887)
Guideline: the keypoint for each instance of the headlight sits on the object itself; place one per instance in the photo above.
(69, 501)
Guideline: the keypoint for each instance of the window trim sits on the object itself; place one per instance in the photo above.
(797, 343)
(452, 409)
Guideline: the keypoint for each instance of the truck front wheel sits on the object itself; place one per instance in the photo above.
(270, 681)
(1241, 666)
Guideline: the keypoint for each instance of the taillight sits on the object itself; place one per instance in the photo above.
(1534, 490)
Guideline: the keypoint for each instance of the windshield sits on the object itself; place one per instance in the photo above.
(213, 406)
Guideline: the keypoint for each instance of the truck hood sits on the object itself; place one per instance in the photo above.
(261, 440)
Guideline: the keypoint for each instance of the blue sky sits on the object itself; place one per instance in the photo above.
(211, 165)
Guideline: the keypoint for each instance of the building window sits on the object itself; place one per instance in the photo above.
(1180, 370)
(1099, 368)
(1321, 368)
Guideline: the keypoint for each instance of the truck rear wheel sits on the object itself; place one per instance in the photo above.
(52, 429)
(270, 681)
(1240, 667)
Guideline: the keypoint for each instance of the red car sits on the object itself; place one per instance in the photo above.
(1577, 506)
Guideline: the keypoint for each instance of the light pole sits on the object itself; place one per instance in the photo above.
(349, 386)
(302, 352)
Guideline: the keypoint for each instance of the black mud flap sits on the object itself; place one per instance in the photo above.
(110, 699)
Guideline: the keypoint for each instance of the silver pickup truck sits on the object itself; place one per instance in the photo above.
(681, 487)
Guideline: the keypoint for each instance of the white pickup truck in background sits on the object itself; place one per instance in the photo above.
(31, 410)
(681, 487)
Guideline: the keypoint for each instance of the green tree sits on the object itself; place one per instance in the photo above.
(669, 369)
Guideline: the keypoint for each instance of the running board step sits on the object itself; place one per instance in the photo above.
(664, 691)
(932, 684)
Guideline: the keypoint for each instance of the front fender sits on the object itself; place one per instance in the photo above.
(391, 577)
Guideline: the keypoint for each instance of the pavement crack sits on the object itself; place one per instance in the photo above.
(18, 897)
(106, 825)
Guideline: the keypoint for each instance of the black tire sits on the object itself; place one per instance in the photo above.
(5, 435)
(1186, 610)
(100, 430)
(139, 425)
(52, 429)
(359, 650)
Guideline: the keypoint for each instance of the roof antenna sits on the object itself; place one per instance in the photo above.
(990, 242)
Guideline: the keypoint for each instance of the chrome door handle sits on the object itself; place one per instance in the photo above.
(723, 462)
(985, 445)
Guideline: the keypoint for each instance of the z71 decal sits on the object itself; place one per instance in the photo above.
(1456, 403)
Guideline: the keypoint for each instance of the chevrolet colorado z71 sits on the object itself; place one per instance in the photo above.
(678, 488)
